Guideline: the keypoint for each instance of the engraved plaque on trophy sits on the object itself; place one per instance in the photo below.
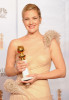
(22, 57)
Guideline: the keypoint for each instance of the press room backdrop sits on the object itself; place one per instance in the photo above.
(55, 16)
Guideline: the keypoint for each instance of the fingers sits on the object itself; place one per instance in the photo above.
(25, 82)
(20, 69)
(31, 80)
(22, 62)
(21, 65)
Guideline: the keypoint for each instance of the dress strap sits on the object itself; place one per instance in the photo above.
(49, 36)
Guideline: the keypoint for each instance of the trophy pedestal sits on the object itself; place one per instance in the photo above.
(25, 73)
(26, 78)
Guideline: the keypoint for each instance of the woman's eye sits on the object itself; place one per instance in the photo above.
(34, 18)
(27, 19)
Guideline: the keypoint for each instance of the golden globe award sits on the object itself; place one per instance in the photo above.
(20, 50)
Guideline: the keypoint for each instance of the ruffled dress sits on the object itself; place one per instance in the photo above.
(39, 61)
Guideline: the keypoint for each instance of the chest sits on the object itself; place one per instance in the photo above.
(37, 53)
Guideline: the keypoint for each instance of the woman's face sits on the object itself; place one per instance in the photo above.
(31, 21)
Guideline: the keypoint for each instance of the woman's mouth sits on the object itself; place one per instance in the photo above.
(32, 26)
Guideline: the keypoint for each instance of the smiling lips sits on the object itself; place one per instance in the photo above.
(31, 26)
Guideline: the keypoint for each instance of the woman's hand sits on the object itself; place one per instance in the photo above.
(31, 80)
(21, 65)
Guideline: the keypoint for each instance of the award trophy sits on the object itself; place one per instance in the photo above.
(22, 57)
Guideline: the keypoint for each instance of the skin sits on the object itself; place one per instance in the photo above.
(32, 21)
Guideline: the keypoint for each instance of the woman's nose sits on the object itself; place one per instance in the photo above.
(31, 22)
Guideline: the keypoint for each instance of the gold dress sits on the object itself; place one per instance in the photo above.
(39, 61)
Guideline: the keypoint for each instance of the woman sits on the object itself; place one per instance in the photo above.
(40, 50)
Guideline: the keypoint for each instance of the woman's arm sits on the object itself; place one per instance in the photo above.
(10, 68)
(57, 58)
(58, 61)
(10, 62)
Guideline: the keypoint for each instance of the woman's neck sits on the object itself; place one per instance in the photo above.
(34, 35)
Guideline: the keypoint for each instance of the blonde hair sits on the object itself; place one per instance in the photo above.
(31, 7)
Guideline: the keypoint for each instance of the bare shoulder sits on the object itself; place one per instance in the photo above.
(16, 42)
(54, 45)
(13, 42)
(54, 42)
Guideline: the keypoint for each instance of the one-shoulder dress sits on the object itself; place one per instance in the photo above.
(39, 61)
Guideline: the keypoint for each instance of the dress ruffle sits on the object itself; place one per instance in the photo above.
(49, 36)
(11, 86)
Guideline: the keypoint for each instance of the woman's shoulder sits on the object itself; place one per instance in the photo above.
(14, 42)
(50, 36)
(17, 41)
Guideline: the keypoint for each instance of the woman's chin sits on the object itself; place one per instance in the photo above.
(32, 32)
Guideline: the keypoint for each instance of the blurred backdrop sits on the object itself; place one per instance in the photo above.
(55, 16)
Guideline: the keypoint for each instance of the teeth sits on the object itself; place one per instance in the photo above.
(31, 26)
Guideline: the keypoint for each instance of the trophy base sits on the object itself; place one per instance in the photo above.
(26, 78)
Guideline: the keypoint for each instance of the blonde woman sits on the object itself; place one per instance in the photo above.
(40, 50)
